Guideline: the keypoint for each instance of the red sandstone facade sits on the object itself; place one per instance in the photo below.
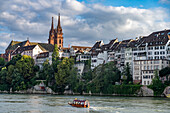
(56, 35)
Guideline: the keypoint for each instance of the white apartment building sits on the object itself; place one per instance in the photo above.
(64, 52)
(150, 53)
(102, 53)
(96, 49)
(144, 69)
(32, 51)
(80, 67)
(120, 53)
(42, 57)
(83, 57)
(156, 46)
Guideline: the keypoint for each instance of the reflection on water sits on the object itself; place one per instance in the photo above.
(12, 103)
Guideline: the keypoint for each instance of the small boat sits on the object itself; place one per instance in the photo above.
(80, 103)
(167, 95)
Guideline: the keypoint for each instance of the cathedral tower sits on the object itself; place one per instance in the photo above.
(51, 34)
(56, 35)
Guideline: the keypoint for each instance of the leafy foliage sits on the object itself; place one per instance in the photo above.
(128, 79)
(55, 55)
(157, 84)
(102, 78)
(2, 61)
(65, 74)
(19, 74)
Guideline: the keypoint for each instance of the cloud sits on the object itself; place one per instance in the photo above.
(82, 23)
(164, 1)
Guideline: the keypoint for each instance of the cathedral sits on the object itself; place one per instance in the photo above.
(56, 35)
(42, 50)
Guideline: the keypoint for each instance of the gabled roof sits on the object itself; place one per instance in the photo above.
(115, 46)
(156, 38)
(46, 47)
(132, 43)
(123, 44)
(96, 45)
(14, 44)
(19, 50)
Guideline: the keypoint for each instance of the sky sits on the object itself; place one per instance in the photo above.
(83, 21)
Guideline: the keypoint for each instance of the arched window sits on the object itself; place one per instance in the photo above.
(60, 41)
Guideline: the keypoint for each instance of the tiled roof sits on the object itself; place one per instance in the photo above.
(96, 45)
(123, 44)
(47, 47)
(156, 38)
(80, 47)
(19, 50)
(14, 44)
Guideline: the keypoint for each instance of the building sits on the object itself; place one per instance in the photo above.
(56, 35)
(31, 51)
(120, 53)
(99, 52)
(12, 47)
(42, 57)
(144, 69)
(150, 53)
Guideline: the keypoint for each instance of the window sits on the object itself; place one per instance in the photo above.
(162, 33)
(150, 48)
(144, 67)
(162, 47)
(60, 41)
(157, 53)
(168, 33)
(149, 53)
(156, 47)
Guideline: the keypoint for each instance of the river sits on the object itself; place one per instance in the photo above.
(18, 103)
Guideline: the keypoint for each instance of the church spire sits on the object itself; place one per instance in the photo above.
(52, 26)
(59, 29)
(59, 25)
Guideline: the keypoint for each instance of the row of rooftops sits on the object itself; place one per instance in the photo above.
(154, 39)
(17, 47)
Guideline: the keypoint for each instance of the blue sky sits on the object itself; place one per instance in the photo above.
(131, 3)
(83, 21)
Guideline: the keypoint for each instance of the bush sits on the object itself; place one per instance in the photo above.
(125, 89)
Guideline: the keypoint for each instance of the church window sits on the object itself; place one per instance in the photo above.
(60, 41)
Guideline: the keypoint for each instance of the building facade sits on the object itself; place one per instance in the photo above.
(56, 35)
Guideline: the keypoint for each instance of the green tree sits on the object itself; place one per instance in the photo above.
(47, 73)
(3, 83)
(23, 76)
(165, 72)
(102, 78)
(65, 72)
(127, 74)
(55, 55)
(157, 84)
(14, 60)
(2, 61)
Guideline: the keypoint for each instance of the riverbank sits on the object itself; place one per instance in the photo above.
(144, 91)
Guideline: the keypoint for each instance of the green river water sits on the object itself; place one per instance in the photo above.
(16, 103)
